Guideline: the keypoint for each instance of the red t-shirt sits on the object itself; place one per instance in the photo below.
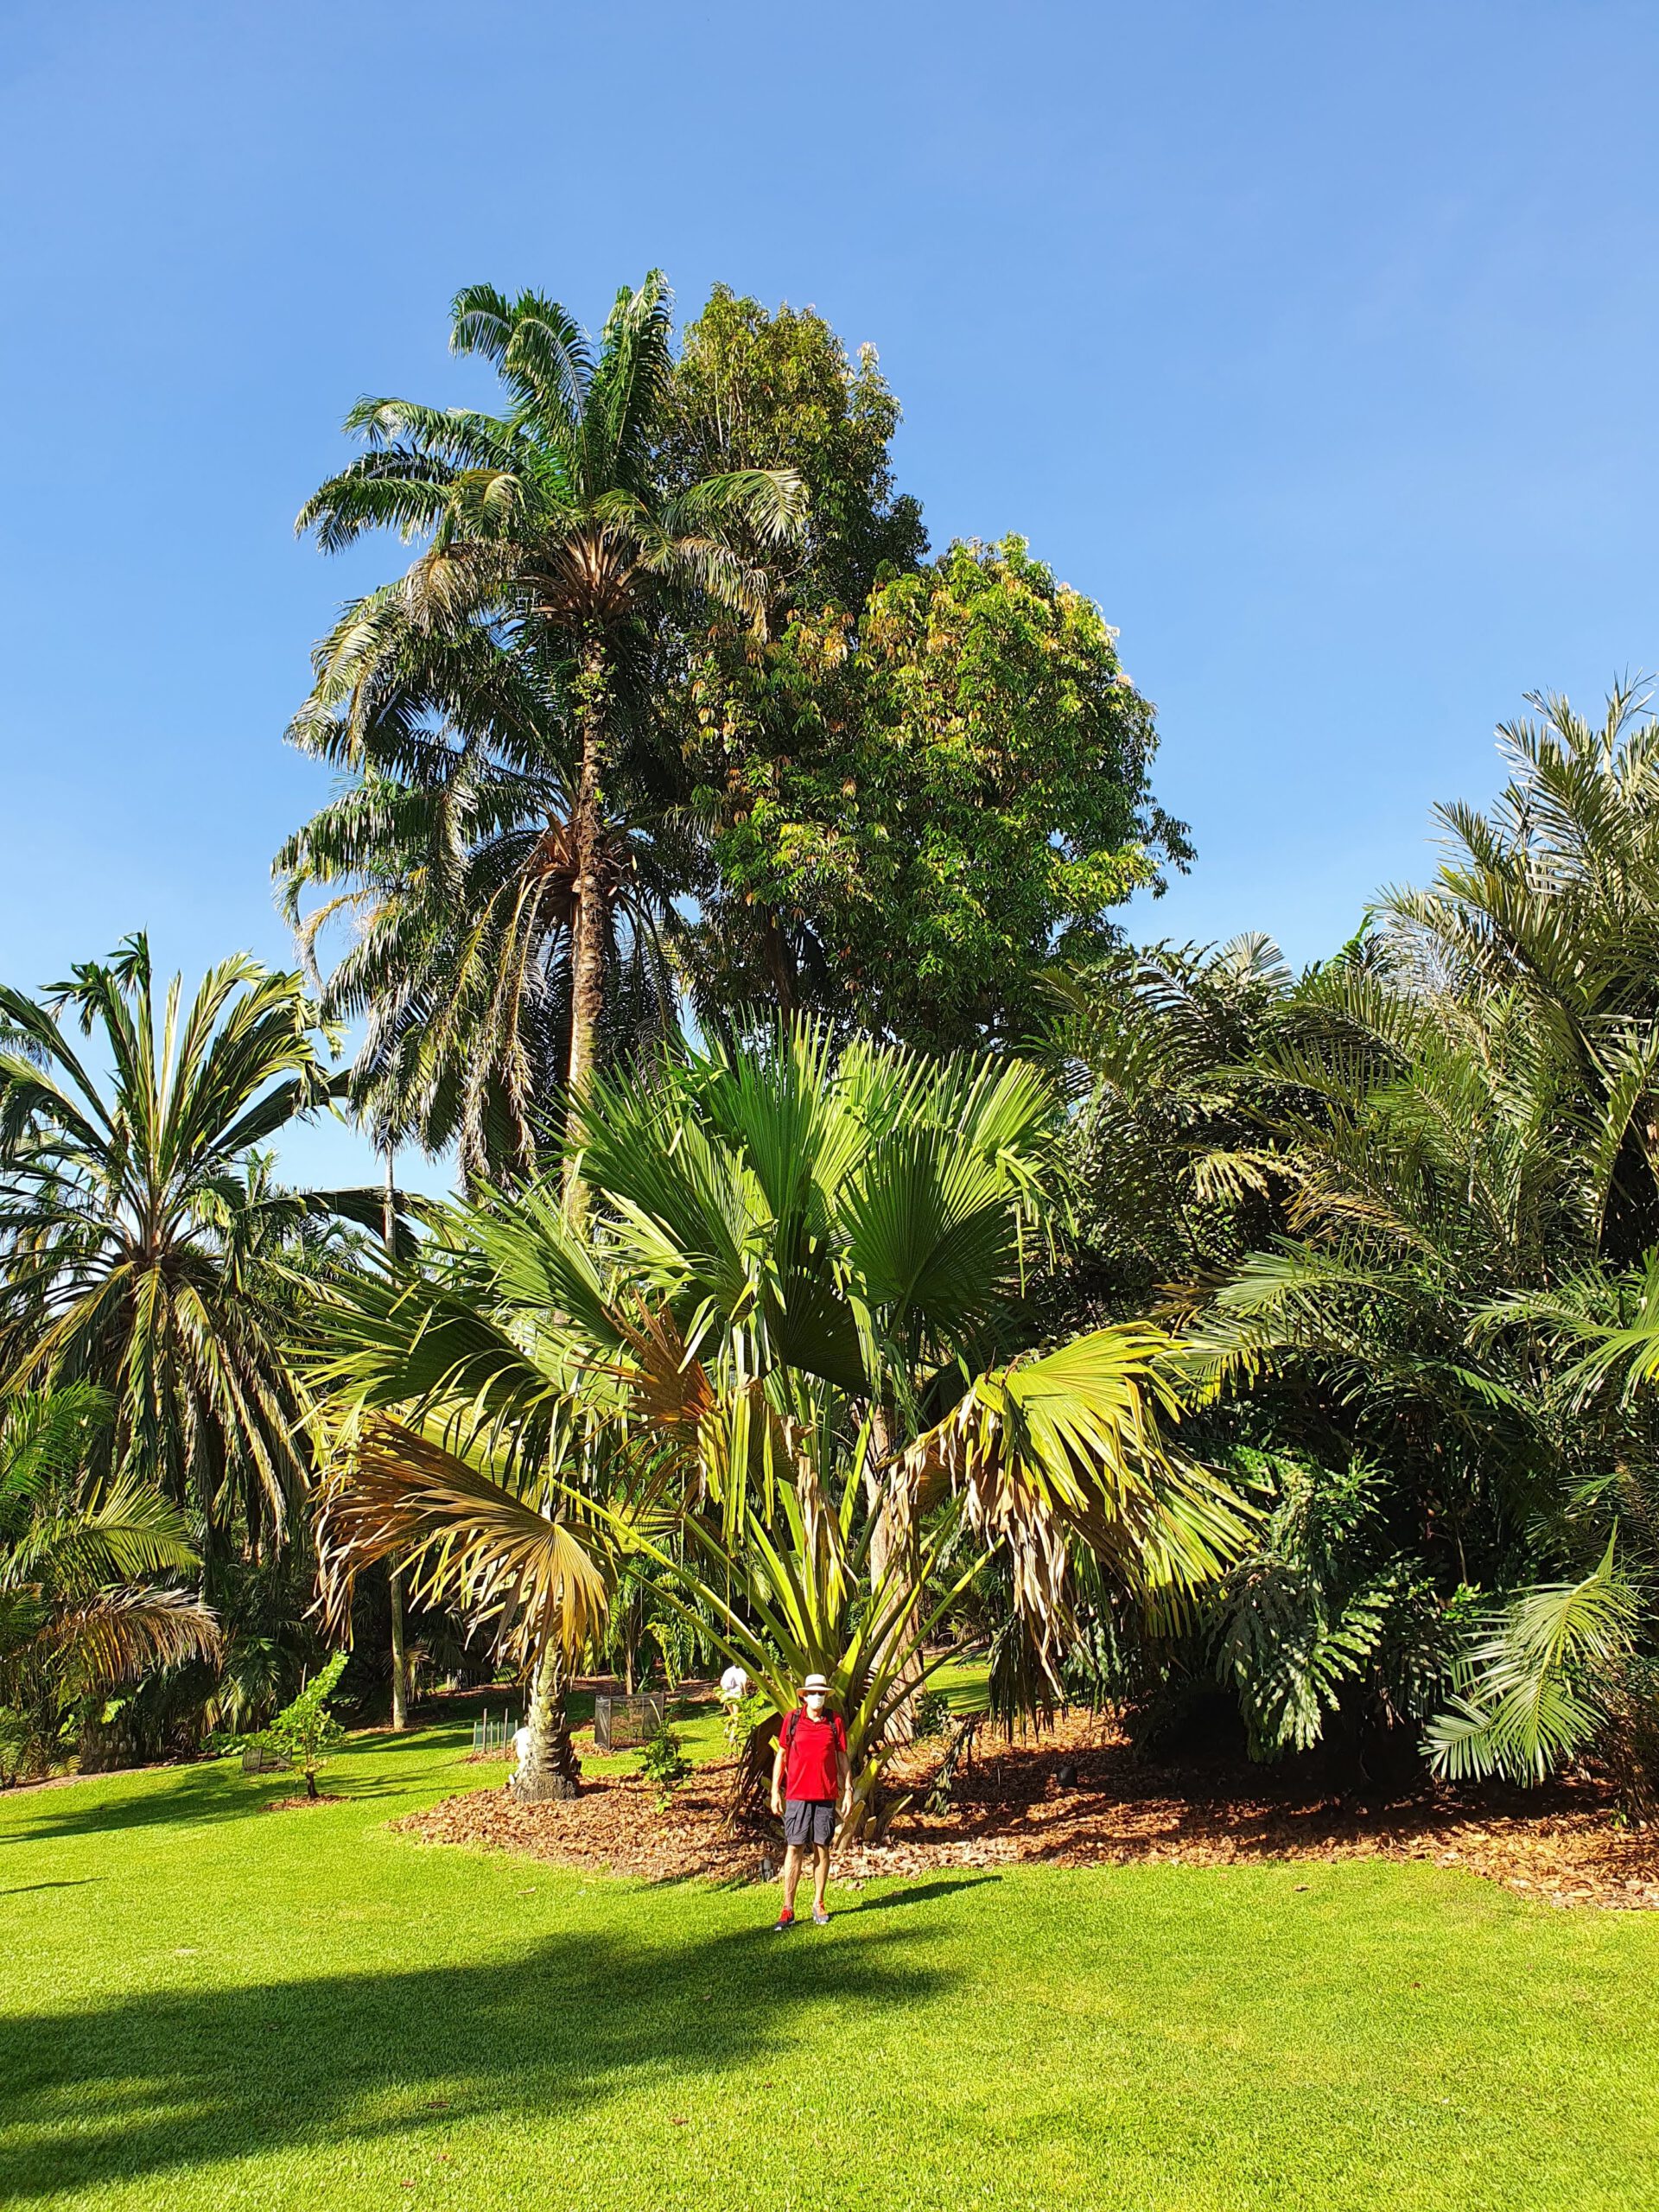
(810, 1750)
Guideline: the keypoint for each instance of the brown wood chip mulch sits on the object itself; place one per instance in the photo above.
(1558, 1846)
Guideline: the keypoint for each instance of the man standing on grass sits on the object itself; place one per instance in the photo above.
(809, 1781)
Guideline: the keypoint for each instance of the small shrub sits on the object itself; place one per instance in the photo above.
(664, 1763)
(742, 1719)
(20, 1748)
(304, 1733)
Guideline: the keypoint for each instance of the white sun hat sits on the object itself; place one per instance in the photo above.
(815, 1683)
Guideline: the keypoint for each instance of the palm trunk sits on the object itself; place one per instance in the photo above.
(552, 1769)
(587, 947)
(395, 1578)
(887, 1541)
(399, 1660)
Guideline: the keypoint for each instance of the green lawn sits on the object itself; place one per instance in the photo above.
(203, 2004)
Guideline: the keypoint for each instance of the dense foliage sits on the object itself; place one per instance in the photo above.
(86, 1607)
(863, 1250)
(957, 793)
(1398, 1206)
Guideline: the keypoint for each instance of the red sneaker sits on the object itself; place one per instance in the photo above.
(785, 1920)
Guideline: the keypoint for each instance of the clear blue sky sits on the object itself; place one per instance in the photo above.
(1316, 342)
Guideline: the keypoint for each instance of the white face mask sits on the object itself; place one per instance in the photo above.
(815, 1702)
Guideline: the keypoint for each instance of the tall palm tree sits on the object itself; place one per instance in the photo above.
(548, 518)
(451, 855)
(140, 1229)
(80, 1608)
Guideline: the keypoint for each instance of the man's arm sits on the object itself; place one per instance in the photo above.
(778, 1778)
(844, 1777)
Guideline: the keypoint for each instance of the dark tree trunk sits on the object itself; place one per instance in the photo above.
(779, 967)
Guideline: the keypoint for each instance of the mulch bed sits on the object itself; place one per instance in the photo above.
(300, 1804)
(1560, 1846)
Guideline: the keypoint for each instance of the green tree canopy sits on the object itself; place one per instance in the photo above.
(961, 793)
(757, 389)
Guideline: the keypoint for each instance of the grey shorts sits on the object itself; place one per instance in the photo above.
(808, 1820)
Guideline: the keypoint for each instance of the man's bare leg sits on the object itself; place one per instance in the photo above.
(791, 1875)
(820, 1875)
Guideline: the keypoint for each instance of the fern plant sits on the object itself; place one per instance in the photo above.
(1323, 1613)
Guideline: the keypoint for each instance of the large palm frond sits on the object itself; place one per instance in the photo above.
(1532, 1688)
(1069, 1445)
(506, 1555)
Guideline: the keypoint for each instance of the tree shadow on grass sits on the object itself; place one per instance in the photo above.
(924, 1892)
(188, 1796)
(178, 2078)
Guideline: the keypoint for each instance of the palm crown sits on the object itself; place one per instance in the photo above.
(452, 854)
(139, 1219)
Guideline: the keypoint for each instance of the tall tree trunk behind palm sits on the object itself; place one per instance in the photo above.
(779, 967)
(552, 1769)
(394, 1577)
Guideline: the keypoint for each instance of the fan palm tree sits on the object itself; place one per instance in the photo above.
(140, 1230)
(79, 1610)
(800, 1267)
(487, 1530)
(546, 520)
